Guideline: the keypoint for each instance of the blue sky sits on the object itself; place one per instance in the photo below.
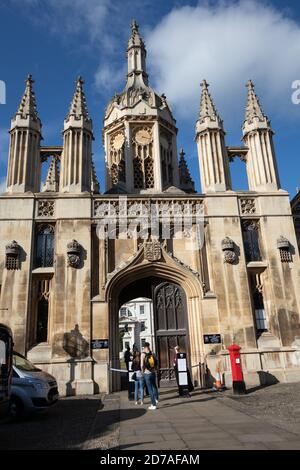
(225, 42)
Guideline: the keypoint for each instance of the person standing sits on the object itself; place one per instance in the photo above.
(148, 366)
(127, 357)
(138, 378)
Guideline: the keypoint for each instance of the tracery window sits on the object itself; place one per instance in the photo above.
(42, 311)
(117, 158)
(166, 158)
(251, 238)
(143, 168)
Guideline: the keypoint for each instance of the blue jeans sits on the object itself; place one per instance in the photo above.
(150, 380)
(139, 387)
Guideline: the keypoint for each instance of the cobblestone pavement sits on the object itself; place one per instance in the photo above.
(208, 420)
(278, 404)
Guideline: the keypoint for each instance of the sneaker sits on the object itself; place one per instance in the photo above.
(151, 407)
(136, 403)
(141, 403)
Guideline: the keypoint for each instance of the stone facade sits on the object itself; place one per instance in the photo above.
(63, 276)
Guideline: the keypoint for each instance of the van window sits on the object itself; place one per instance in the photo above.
(23, 364)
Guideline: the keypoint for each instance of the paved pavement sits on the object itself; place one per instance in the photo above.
(206, 421)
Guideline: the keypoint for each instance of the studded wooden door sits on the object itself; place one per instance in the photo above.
(170, 328)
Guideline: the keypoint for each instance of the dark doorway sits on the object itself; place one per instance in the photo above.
(42, 321)
(170, 321)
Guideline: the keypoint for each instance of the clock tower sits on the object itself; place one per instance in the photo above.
(139, 132)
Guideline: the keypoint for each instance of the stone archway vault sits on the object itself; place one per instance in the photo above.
(167, 269)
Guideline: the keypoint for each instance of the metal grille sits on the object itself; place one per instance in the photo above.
(285, 255)
(12, 262)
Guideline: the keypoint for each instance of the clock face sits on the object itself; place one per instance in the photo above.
(143, 137)
(118, 141)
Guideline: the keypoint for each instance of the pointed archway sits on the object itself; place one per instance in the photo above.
(140, 277)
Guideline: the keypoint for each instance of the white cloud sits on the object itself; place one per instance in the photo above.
(68, 17)
(227, 43)
(108, 77)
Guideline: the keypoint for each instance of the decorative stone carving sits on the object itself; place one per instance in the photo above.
(174, 207)
(46, 208)
(250, 224)
(229, 257)
(283, 243)
(152, 251)
(227, 244)
(228, 249)
(283, 246)
(248, 206)
(12, 252)
(74, 254)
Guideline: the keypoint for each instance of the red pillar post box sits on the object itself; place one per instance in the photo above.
(238, 383)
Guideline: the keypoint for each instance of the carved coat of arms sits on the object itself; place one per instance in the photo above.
(152, 251)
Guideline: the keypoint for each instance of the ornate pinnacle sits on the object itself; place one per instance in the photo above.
(253, 107)
(78, 106)
(135, 38)
(186, 182)
(52, 178)
(27, 105)
(207, 107)
(134, 27)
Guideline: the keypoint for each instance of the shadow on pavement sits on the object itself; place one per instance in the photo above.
(67, 425)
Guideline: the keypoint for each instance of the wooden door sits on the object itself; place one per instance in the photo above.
(170, 328)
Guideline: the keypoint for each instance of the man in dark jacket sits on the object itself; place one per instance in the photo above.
(127, 357)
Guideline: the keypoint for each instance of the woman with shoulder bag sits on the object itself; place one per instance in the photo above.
(138, 378)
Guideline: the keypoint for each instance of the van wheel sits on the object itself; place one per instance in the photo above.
(16, 408)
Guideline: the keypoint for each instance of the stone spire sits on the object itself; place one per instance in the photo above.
(24, 164)
(75, 175)
(207, 107)
(78, 107)
(52, 178)
(185, 180)
(253, 107)
(135, 39)
(136, 58)
(27, 107)
(210, 138)
(258, 137)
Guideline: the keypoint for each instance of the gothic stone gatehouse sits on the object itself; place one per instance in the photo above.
(62, 284)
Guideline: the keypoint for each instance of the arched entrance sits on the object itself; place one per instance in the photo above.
(177, 298)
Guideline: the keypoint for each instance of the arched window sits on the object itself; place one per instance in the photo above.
(45, 246)
(251, 239)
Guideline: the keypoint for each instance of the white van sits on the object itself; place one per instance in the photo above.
(31, 388)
